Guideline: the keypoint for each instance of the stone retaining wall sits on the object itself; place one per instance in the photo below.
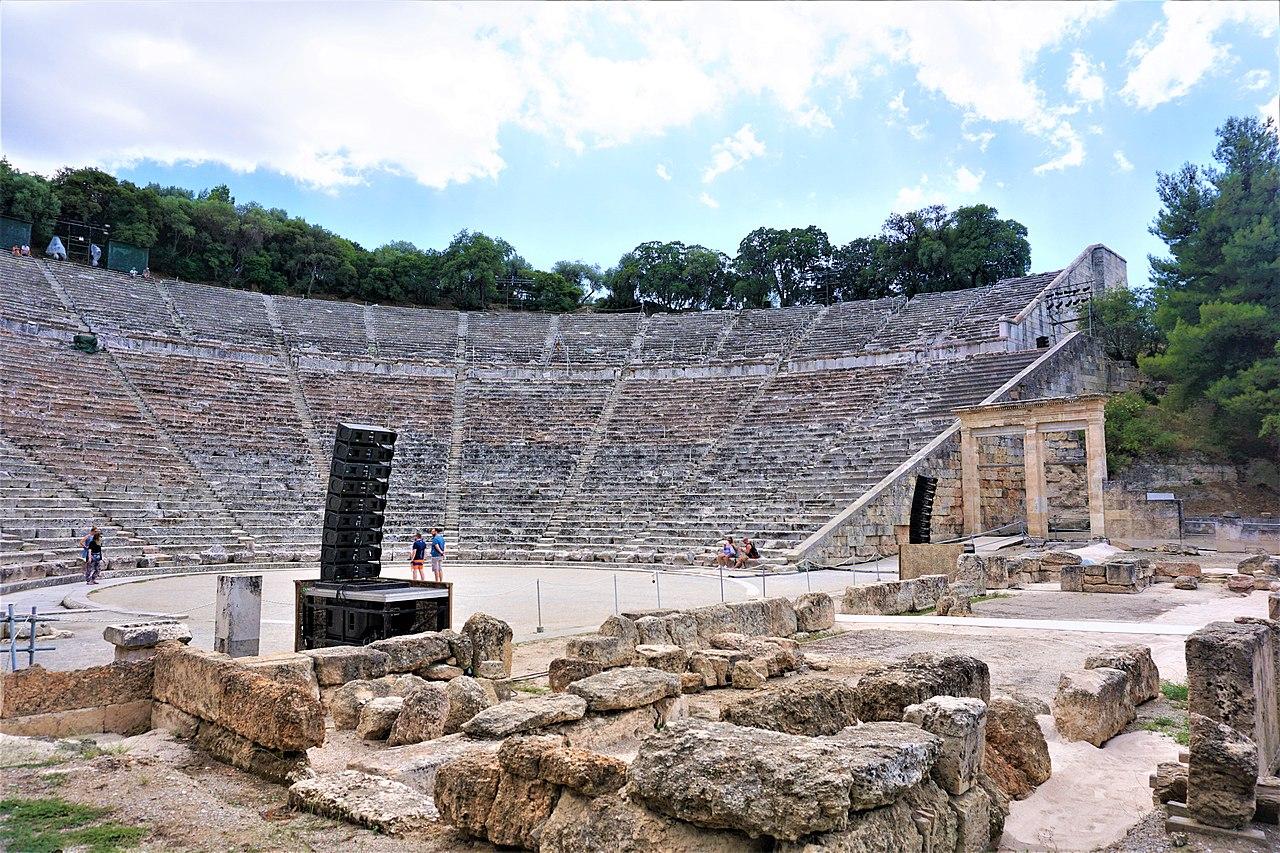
(37, 702)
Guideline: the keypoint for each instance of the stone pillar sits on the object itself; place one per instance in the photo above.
(138, 640)
(237, 623)
(1037, 493)
(970, 485)
(1095, 448)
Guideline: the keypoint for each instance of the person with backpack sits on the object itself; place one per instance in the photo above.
(84, 549)
(419, 557)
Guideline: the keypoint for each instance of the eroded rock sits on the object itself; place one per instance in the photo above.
(1093, 704)
(815, 706)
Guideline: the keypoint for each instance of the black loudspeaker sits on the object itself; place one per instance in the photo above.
(922, 509)
(351, 539)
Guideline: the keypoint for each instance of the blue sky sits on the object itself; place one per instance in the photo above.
(577, 132)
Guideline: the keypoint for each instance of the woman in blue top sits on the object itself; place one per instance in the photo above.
(419, 557)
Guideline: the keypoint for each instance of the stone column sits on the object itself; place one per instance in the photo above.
(970, 484)
(1037, 495)
(237, 623)
(1095, 448)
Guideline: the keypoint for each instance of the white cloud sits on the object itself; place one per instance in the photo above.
(898, 106)
(1122, 162)
(1271, 110)
(1178, 52)
(710, 202)
(1095, 130)
(731, 152)
(661, 171)
(983, 139)
(1083, 80)
(918, 196)
(968, 182)
(427, 91)
(1256, 80)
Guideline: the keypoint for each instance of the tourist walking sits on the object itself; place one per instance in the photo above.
(419, 557)
(84, 549)
(94, 564)
(437, 554)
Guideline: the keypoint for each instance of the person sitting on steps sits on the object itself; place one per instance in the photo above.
(746, 552)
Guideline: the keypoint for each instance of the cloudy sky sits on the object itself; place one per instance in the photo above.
(580, 131)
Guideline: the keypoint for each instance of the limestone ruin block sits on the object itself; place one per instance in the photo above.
(475, 795)
(714, 665)
(622, 628)
(416, 764)
(467, 697)
(339, 664)
(509, 718)
(562, 672)
(961, 725)
(285, 667)
(780, 617)
(750, 617)
(1016, 752)
(1171, 782)
(953, 605)
(459, 648)
(1071, 578)
(377, 716)
(1186, 582)
(490, 639)
(923, 819)
(1273, 606)
(171, 719)
(712, 620)
(816, 706)
(492, 670)
(607, 651)
(1093, 704)
(346, 701)
(440, 672)
(815, 611)
(697, 771)
(549, 758)
(997, 571)
(282, 767)
(1134, 661)
(379, 804)
(422, 715)
(615, 823)
(1230, 678)
(691, 682)
(653, 631)
(667, 658)
(1222, 774)
(970, 574)
(884, 693)
(1258, 564)
(749, 674)
(1240, 583)
(1168, 569)
(972, 810)
(412, 652)
(141, 635)
(627, 687)
(682, 628)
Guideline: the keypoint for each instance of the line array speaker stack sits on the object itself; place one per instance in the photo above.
(351, 543)
(922, 509)
(351, 604)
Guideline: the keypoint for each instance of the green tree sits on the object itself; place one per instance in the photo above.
(1217, 293)
(31, 199)
(983, 248)
(470, 269)
(1124, 321)
(788, 266)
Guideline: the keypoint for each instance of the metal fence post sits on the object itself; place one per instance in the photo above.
(658, 586)
(13, 639)
(31, 638)
(538, 587)
(808, 583)
(722, 583)
(617, 610)
(764, 583)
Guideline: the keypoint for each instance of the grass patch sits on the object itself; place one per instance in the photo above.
(51, 824)
(1176, 729)
(535, 689)
(989, 596)
(815, 636)
(1175, 693)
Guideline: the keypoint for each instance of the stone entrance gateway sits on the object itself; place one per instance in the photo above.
(1032, 419)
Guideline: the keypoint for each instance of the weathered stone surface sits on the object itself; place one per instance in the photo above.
(346, 701)
(997, 571)
(780, 617)
(550, 759)
(377, 716)
(520, 808)
(465, 789)
(622, 628)
(815, 611)
(713, 619)
(607, 651)
(339, 664)
(466, 697)
(171, 719)
(972, 811)
(416, 764)
(970, 574)
(692, 682)
(1093, 704)
(285, 667)
(713, 666)
(614, 823)
(1071, 578)
(1171, 783)
(1222, 774)
(143, 635)
(492, 670)
(926, 590)
(953, 605)
(379, 804)
(440, 672)
(667, 658)
(509, 718)
(215, 688)
(961, 725)
(884, 693)
(683, 630)
(653, 631)
(1168, 569)
(562, 672)
(749, 674)
(1229, 678)
(1240, 583)
(1273, 606)
(490, 639)
(1252, 564)
(1186, 582)
(1136, 663)
(422, 716)
(230, 748)
(815, 706)
(765, 783)
(36, 690)
(749, 617)
(411, 652)
(459, 648)
(1016, 753)
(627, 687)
